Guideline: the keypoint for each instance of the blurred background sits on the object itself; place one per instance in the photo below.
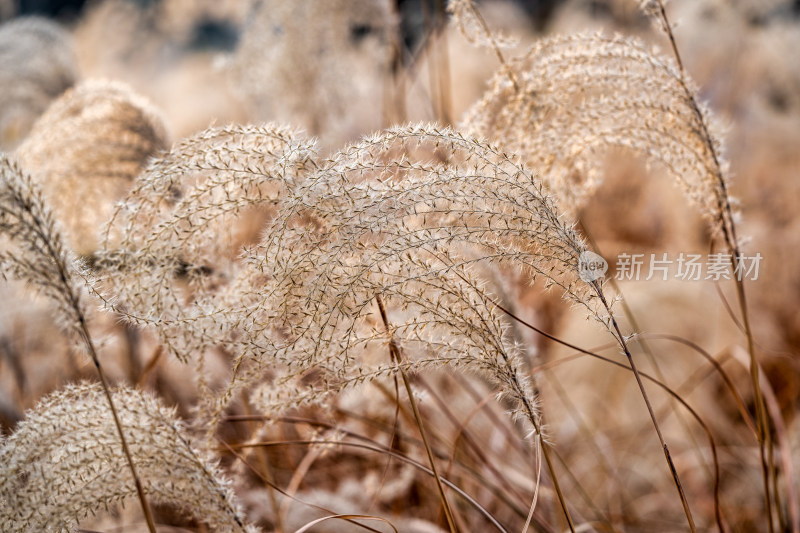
(340, 69)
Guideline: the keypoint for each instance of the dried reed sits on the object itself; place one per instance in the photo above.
(86, 150)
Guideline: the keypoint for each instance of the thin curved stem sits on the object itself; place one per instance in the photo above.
(379, 449)
(397, 357)
(669, 391)
(729, 233)
(83, 329)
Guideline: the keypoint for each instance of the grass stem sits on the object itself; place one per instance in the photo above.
(397, 357)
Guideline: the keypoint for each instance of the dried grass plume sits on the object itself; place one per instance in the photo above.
(87, 149)
(64, 462)
(570, 99)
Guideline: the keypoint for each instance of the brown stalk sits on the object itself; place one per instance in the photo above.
(675, 394)
(495, 47)
(486, 483)
(16, 368)
(393, 439)
(729, 233)
(438, 62)
(717, 367)
(531, 416)
(266, 469)
(669, 391)
(397, 356)
(378, 448)
(471, 444)
(634, 324)
(624, 345)
(150, 366)
(395, 90)
(148, 514)
(443, 70)
(231, 449)
(620, 337)
(87, 340)
(464, 434)
(347, 517)
(586, 432)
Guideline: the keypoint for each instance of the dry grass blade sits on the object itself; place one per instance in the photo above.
(397, 357)
(348, 517)
(386, 451)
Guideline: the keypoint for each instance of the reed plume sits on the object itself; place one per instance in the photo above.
(36, 254)
(574, 97)
(64, 462)
(170, 241)
(403, 215)
(725, 223)
(85, 152)
(563, 104)
(35, 251)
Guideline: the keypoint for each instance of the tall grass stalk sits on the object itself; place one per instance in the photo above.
(397, 358)
(728, 227)
(44, 261)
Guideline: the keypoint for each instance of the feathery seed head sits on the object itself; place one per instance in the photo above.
(35, 251)
(580, 95)
(85, 152)
(167, 248)
(64, 461)
(406, 214)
